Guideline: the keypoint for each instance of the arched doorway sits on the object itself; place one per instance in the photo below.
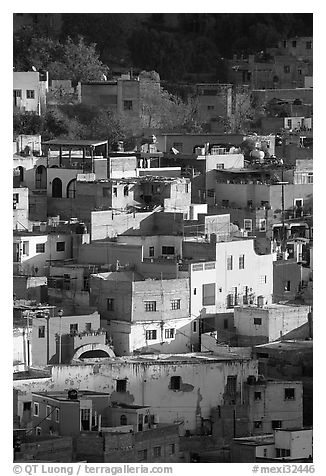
(71, 189)
(40, 177)
(57, 188)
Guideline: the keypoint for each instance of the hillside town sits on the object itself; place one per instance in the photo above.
(162, 245)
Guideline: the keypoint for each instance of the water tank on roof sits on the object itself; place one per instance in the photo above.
(72, 394)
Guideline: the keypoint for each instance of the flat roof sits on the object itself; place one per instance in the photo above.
(290, 345)
(63, 396)
(75, 143)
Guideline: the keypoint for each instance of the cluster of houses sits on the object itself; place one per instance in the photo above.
(159, 293)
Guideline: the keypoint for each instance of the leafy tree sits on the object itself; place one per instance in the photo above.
(28, 123)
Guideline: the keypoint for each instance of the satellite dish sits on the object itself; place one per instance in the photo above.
(34, 69)
(175, 151)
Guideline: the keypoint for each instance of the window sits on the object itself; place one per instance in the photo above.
(231, 385)
(27, 406)
(169, 333)
(229, 263)
(257, 321)
(247, 224)
(15, 200)
(142, 455)
(38, 431)
(150, 306)
(88, 326)
(287, 286)
(110, 304)
(195, 291)
(258, 424)
(17, 95)
(294, 44)
(171, 449)
(262, 279)
(36, 409)
(208, 294)
(281, 453)
(210, 108)
(225, 324)
(57, 415)
(167, 250)
(194, 326)
(276, 424)
(106, 192)
(40, 248)
(298, 202)
(127, 105)
(73, 328)
(71, 189)
(151, 251)
(175, 304)
(123, 420)
(26, 248)
(289, 123)
(211, 192)
(225, 203)
(151, 334)
(289, 394)
(125, 191)
(230, 301)
(286, 69)
(310, 177)
(156, 451)
(219, 166)
(265, 452)
(30, 94)
(61, 245)
(284, 44)
(175, 383)
(48, 412)
(241, 261)
(115, 191)
(121, 385)
(308, 45)
(86, 283)
(262, 224)
(41, 332)
(257, 395)
(264, 203)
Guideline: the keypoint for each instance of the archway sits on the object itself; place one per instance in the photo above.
(57, 188)
(71, 189)
(93, 351)
(40, 177)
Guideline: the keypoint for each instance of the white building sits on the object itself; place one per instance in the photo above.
(29, 90)
(257, 325)
(237, 276)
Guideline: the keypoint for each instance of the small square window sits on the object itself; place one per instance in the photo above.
(121, 385)
(40, 248)
(30, 94)
(225, 203)
(61, 245)
(110, 304)
(127, 105)
(175, 383)
(257, 321)
(73, 328)
(258, 424)
(247, 224)
(41, 332)
(257, 395)
(27, 406)
(289, 394)
(151, 334)
(156, 451)
(88, 326)
(175, 304)
(169, 333)
(171, 448)
(142, 455)
(276, 424)
(150, 306)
